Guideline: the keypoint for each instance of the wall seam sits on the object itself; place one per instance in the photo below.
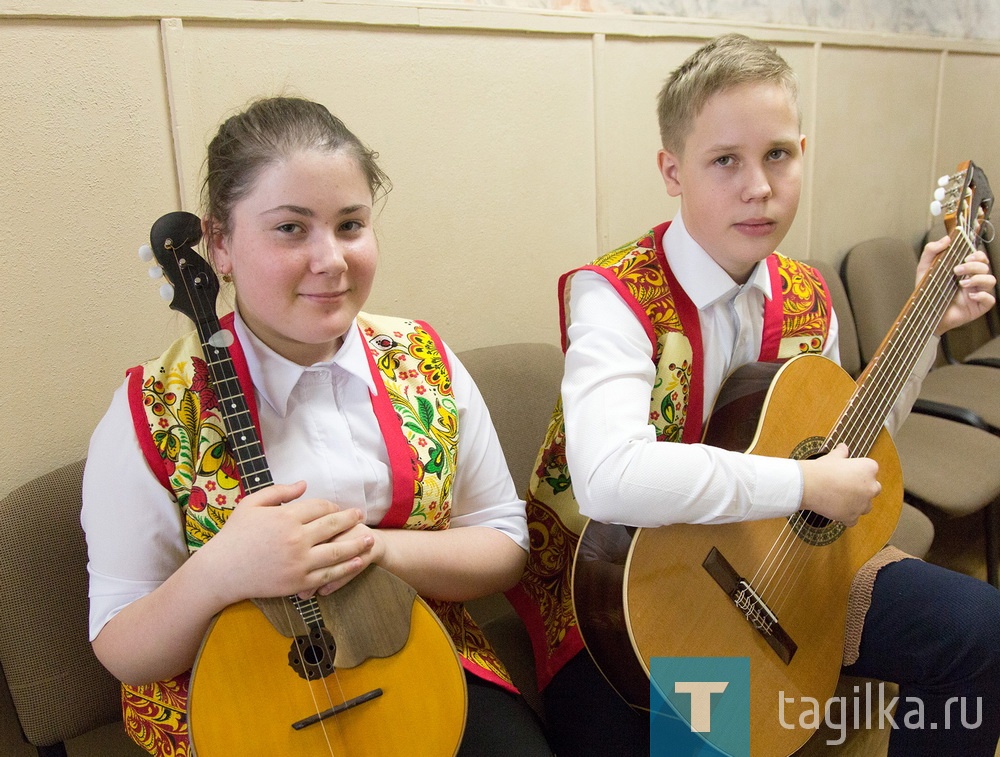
(179, 106)
(598, 49)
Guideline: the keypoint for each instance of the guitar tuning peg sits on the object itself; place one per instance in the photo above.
(155, 272)
(146, 253)
(943, 181)
(936, 208)
(939, 194)
(167, 292)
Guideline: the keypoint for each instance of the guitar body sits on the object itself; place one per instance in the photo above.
(672, 606)
(245, 695)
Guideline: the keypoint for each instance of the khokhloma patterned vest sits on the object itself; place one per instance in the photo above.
(796, 321)
(182, 434)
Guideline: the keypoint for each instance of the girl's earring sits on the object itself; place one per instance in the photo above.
(227, 277)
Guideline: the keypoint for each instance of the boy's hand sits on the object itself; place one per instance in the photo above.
(976, 285)
(839, 487)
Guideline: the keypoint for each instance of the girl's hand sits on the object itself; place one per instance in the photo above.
(275, 544)
(373, 537)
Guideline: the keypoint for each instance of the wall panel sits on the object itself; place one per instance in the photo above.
(874, 146)
(488, 140)
(969, 128)
(83, 139)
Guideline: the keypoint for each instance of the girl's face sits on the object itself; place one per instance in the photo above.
(302, 253)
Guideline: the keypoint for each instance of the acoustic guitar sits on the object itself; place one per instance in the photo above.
(369, 671)
(773, 590)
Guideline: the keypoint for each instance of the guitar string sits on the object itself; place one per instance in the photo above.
(775, 568)
(205, 306)
(900, 355)
(937, 291)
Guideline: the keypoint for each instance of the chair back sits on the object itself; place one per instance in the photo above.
(879, 275)
(520, 385)
(58, 687)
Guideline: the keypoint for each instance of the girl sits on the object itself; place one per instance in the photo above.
(289, 197)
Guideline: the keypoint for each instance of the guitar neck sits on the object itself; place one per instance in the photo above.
(244, 442)
(883, 379)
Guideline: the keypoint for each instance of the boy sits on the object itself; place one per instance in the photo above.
(681, 308)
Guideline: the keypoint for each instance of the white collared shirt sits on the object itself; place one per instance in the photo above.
(620, 473)
(317, 425)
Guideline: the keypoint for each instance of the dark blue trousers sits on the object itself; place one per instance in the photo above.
(936, 633)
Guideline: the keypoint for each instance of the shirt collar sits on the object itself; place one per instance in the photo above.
(274, 377)
(704, 280)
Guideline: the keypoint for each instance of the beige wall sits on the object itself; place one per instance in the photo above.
(520, 144)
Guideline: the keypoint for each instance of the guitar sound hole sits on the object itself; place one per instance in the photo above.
(813, 528)
(815, 520)
(312, 656)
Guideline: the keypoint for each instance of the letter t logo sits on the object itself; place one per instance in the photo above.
(701, 701)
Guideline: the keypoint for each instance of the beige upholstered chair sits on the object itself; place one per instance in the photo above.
(520, 384)
(57, 687)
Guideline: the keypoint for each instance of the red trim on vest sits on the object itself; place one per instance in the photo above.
(619, 287)
(828, 298)
(487, 675)
(142, 432)
(691, 323)
(774, 314)
(402, 460)
(545, 667)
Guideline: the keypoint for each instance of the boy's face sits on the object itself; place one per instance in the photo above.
(740, 174)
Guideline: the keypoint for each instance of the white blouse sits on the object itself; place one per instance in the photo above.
(620, 473)
(317, 425)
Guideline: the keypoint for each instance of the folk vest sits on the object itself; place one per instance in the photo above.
(796, 321)
(182, 434)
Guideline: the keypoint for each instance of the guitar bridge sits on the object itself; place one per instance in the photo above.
(750, 605)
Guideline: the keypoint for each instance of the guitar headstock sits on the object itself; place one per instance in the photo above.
(965, 199)
(194, 286)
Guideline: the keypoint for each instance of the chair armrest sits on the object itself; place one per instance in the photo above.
(953, 413)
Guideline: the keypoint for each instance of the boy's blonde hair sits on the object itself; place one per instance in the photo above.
(725, 62)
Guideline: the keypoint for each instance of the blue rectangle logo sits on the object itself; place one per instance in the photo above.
(699, 707)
